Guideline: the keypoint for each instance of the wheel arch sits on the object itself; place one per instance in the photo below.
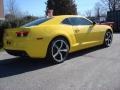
(58, 36)
(106, 30)
(61, 36)
(109, 30)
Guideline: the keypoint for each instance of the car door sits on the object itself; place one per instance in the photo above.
(93, 34)
(84, 30)
(78, 32)
(77, 29)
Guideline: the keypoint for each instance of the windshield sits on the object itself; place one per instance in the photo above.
(36, 22)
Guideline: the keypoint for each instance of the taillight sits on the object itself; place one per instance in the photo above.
(22, 33)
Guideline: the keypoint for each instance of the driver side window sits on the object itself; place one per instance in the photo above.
(85, 21)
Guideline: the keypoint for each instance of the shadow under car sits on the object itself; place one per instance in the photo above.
(15, 66)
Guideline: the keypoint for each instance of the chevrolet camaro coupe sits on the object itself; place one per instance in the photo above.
(55, 37)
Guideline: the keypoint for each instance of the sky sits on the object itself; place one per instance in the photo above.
(38, 7)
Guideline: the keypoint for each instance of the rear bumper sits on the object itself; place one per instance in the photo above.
(30, 48)
(17, 53)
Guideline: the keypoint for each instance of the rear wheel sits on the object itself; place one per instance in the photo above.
(58, 50)
(108, 39)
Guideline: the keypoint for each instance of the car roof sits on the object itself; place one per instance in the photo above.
(58, 19)
(65, 16)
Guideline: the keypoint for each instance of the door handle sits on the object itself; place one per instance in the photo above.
(76, 30)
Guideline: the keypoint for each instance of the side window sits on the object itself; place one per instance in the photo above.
(66, 21)
(75, 21)
(80, 21)
(84, 21)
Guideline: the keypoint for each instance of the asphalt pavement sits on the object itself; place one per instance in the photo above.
(96, 68)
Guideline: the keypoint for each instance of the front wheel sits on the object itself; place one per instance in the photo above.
(108, 39)
(58, 50)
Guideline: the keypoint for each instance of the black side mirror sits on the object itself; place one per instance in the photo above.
(94, 23)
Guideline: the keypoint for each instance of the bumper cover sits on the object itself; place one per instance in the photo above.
(17, 53)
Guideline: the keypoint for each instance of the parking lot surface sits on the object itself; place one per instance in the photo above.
(91, 69)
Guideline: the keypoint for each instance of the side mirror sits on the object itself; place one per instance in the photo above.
(94, 23)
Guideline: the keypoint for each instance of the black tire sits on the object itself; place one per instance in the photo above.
(58, 50)
(108, 38)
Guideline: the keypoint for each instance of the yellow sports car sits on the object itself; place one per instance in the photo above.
(55, 37)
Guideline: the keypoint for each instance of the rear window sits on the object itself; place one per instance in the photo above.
(36, 22)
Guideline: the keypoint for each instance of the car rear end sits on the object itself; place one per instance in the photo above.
(15, 41)
(28, 40)
(24, 42)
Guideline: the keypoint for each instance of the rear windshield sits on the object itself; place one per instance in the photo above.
(36, 22)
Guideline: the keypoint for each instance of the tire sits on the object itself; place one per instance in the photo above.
(58, 50)
(108, 38)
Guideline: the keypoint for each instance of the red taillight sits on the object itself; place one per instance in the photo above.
(22, 33)
(18, 34)
(25, 33)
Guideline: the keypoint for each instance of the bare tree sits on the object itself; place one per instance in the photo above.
(13, 10)
(97, 9)
(100, 13)
(111, 5)
(88, 13)
(12, 7)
